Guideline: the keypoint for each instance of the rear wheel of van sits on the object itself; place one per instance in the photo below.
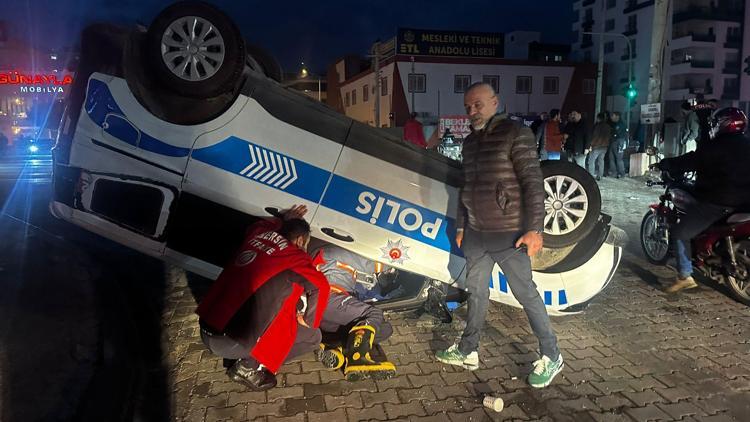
(195, 50)
(572, 203)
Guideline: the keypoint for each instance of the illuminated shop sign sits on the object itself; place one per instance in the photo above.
(423, 42)
(36, 82)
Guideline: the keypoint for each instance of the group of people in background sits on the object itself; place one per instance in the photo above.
(573, 141)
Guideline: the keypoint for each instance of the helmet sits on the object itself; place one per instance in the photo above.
(728, 120)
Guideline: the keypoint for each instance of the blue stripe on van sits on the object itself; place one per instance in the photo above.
(104, 111)
(267, 167)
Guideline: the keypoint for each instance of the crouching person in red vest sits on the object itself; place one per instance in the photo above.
(266, 305)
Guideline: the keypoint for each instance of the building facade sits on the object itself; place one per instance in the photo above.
(433, 85)
(702, 56)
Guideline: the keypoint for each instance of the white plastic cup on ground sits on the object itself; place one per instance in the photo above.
(494, 403)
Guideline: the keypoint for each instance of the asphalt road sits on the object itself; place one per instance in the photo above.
(79, 315)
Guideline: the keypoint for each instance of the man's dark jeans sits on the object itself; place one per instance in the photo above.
(344, 311)
(482, 251)
(698, 217)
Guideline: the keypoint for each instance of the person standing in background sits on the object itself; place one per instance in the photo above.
(413, 132)
(617, 146)
(599, 143)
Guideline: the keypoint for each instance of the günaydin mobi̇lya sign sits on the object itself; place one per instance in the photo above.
(424, 42)
(36, 83)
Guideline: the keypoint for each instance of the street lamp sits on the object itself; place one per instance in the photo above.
(631, 90)
(304, 73)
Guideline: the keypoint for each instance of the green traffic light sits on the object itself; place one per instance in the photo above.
(631, 92)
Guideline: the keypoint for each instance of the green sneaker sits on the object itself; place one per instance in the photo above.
(453, 356)
(544, 371)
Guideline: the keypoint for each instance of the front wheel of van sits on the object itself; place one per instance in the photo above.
(195, 50)
(572, 203)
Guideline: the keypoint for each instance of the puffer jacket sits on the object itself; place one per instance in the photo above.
(503, 188)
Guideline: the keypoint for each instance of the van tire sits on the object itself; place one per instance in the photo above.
(223, 42)
(580, 206)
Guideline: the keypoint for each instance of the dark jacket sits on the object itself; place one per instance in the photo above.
(618, 130)
(722, 174)
(503, 189)
(578, 137)
(601, 135)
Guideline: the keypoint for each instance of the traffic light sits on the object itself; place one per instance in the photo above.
(747, 65)
(631, 93)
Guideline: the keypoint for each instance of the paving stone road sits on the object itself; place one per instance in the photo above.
(635, 354)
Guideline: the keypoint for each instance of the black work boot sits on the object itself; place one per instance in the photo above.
(359, 364)
(249, 373)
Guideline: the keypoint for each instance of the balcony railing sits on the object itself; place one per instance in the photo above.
(700, 64)
(704, 37)
(641, 5)
(701, 89)
(709, 13)
(630, 31)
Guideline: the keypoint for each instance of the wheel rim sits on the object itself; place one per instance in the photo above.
(742, 287)
(655, 246)
(741, 284)
(192, 48)
(565, 205)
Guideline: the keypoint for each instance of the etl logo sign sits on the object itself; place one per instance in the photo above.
(36, 82)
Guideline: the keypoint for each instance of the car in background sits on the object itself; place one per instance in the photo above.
(175, 138)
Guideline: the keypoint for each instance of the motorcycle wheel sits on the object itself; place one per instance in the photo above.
(739, 286)
(656, 250)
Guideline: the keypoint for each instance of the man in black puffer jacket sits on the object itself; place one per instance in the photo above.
(501, 208)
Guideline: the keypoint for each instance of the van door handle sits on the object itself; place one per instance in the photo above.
(332, 233)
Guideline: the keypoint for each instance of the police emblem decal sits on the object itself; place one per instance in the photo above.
(396, 252)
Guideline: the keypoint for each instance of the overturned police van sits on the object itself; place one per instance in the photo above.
(177, 137)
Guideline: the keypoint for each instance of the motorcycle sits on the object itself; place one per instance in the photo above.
(721, 252)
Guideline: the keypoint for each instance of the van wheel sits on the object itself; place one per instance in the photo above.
(572, 203)
(195, 50)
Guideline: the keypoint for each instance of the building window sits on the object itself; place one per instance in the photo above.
(417, 82)
(493, 80)
(587, 56)
(609, 24)
(589, 86)
(551, 85)
(631, 4)
(384, 86)
(347, 100)
(609, 47)
(365, 93)
(354, 97)
(589, 16)
(461, 83)
(586, 39)
(523, 84)
(611, 3)
(632, 22)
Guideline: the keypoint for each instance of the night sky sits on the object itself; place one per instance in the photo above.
(294, 31)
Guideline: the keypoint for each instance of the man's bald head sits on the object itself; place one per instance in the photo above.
(480, 102)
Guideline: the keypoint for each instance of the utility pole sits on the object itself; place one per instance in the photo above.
(630, 72)
(600, 66)
(376, 55)
(413, 88)
(656, 66)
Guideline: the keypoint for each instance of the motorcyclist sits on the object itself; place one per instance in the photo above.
(722, 184)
